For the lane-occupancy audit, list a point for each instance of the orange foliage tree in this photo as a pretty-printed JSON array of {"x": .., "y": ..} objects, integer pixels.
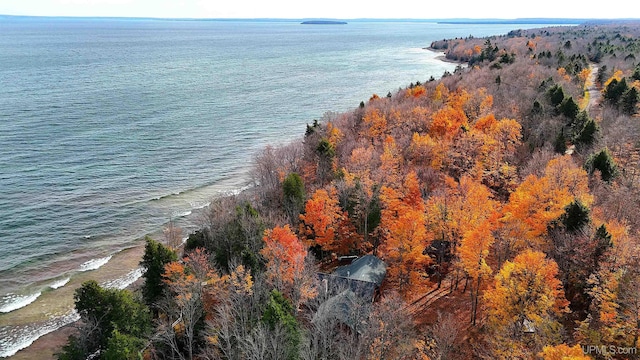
[
  {"x": 391, "y": 162},
  {"x": 376, "y": 122},
  {"x": 325, "y": 224},
  {"x": 286, "y": 266},
  {"x": 186, "y": 282},
  {"x": 614, "y": 313},
  {"x": 459, "y": 207},
  {"x": 448, "y": 122},
  {"x": 563, "y": 352},
  {"x": 405, "y": 236},
  {"x": 500, "y": 139},
  {"x": 473, "y": 254},
  {"x": 539, "y": 201},
  {"x": 456, "y": 210}
]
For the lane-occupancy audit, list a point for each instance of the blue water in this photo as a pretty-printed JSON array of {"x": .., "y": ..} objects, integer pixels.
[{"x": 109, "y": 128}]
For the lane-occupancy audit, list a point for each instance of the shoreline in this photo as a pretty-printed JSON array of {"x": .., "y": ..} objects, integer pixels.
[
  {"x": 443, "y": 57},
  {"x": 47, "y": 345},
  {"x": 120, "y": 264}
]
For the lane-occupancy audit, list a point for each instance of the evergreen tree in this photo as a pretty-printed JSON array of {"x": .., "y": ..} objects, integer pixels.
[
  {"x": 569, "y": 108},
  {"x": 279, "y": 312},
  {"x": 587, "y": 135},
  {"x": 105, "y": 314},
  {"x": 576, "y": 215},
  {"x": 614, "y": 91},
  {"x": 556, "y": 95},
  {"x": 156, "y": 256},
  {"x": 560, "y": 145},
  {"x": 629, "y": 101},
  {"x": 294, "y": 195},
  {"x": 603, "y": 162},
  {"x": 123, "y": 347},
  {"x": 603, "y": 241}
]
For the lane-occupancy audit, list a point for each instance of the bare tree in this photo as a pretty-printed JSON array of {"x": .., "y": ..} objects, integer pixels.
[
  {"x": 264, "y": 343},
  {"x": 444, "y": 332},
  {"x": 390, "y": 331},
  {"x": 172, "y": 235}
]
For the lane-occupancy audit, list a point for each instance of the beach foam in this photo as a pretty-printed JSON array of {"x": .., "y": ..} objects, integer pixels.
[
  {"x": 94, "y": 264},
  {"x": 59, "y": 283},
  {"x": 197, "y": 205},
  {"x": 181, "y": 213},
  {"x": 124, "y": 281},
  {"x": 14, "y": 302},
  {"x": 14, "y": 339}
]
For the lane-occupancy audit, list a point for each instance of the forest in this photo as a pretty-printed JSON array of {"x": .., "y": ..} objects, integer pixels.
[{"x": 498, "y": 203}]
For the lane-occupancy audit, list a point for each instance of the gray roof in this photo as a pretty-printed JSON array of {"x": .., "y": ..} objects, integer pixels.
[
  {"x": 346, "y": 307},
  {"x": 367, "y": 268}
]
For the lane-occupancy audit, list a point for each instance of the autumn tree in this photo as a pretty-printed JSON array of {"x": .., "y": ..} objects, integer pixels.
[
  {"x": 500, "y": 140},
  {"x": 287, "y": 265},
  {"x": 614, "y": 313},
  {"x": 444, "y": 332},
  {"x": 458, "y": 208},
  {"x": 563, "y": 352},
  {"x": 326, "y": 225},
  {"x": 391, "y": 162},
  {"x": 474, "y": 251},
  {"x": 234, "y": 307},
  {"x": 526, "y": 298},
  {"x": 389, "y": 331},
  {"x": 405, "y": 236},
  {"x": 538, "y": 201},
  {"x": 376, "y": 124},
  {"x": 448, "y": 122},
  {"x": 184, "y": 309}
]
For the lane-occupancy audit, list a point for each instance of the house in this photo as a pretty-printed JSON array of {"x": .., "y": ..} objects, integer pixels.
[
  {"x": 350, "y": 290},
  {"x": 363, "y": 276}
]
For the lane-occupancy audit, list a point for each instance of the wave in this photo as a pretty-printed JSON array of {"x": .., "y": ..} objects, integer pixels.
[
  {"x": 94, "y": 264},
  {"x": 196, "y": 205},
  {"x": 124, "y": 281},
  {"x": 200, "y": 205},
  {"x": 59, "y": 283},
  {"x": 13, "y": 339},
  {"x": 181, "y": 213},
  {"x": 14, "y": 302},
  {"x": 238, "y": 191}
]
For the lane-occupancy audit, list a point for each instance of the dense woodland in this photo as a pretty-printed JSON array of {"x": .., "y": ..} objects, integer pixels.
[{"x": 503, "y": 198}]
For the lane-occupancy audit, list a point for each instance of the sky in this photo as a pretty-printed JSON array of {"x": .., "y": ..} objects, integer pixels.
[{"x": 339, "y": 9}]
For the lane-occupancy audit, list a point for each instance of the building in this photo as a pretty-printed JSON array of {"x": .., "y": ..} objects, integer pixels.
[{"x": 351, "y": 289}]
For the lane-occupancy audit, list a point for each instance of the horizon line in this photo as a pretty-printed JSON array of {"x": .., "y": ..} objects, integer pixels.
[{"x": 494, "y": 19}]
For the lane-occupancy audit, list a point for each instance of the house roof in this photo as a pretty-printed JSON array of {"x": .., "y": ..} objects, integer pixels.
[
  {"x": 368, "y": 268},
  {"x": 335, "y": 284},
  {"x": 349, "y": 288}
]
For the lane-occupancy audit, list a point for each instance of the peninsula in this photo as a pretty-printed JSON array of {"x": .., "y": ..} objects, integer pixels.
[{"x": 323, "y": 22}]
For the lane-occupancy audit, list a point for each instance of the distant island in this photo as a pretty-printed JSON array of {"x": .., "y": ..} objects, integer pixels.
[{"x": 323, "y": 22}]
